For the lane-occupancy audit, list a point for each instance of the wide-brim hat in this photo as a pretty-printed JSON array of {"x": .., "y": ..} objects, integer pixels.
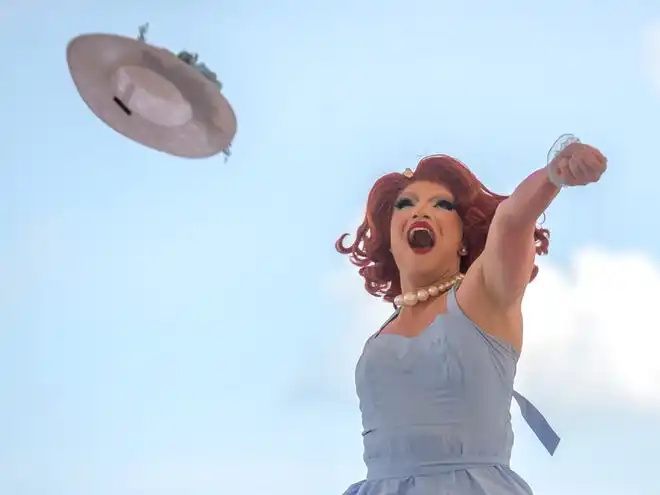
[{"x": 151, "y": 95}]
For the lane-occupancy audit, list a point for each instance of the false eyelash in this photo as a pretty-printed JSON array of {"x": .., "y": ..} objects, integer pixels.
[
  {"x": 447, "y": 205},
  {"x": 402, "y": 203}
]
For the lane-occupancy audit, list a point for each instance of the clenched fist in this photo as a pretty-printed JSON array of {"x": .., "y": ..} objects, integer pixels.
[{"x": 577, "y": 164}]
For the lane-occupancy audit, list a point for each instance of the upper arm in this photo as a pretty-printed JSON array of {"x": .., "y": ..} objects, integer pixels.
[{"x": 507, "y": 261}]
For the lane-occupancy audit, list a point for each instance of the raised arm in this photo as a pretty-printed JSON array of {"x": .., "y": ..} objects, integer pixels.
[{"x": 507, "y": 261}]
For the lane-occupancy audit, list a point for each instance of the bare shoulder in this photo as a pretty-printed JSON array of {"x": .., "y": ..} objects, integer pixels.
[{"x": 475, "y": 301}]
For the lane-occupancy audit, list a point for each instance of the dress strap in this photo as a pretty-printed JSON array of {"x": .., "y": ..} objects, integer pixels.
[
  {"x": 452, "y": 302},
  {"x": 532, "y": 416},
  {"x": 541, "y": 428},
  {"x": 387, "y": 322}
]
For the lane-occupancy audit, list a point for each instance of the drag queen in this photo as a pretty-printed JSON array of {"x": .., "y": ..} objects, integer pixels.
[{"x": 435, "y": 383}]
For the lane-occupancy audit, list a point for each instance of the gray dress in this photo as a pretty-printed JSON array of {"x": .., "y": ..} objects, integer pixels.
[{"x": 436, "y": 412}]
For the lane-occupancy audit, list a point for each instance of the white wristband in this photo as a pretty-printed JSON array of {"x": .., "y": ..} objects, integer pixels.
[
  {"x": 559, "y": 145},
  {"x": 553, "y": 177}
]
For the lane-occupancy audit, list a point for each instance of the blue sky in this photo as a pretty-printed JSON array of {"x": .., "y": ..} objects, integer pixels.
[{"x": 172, "y": 326}]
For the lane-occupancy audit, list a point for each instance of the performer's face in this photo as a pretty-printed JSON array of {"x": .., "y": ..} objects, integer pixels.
[{"x": 425, "y": 232}]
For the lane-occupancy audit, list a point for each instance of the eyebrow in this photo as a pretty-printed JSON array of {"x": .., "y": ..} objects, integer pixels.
[
  {"x": 446, "y": 197},
  {"x": 437, "y": 197}
]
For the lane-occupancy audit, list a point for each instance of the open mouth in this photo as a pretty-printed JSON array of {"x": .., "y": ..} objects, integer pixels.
[{"x": 421, "y": 237}]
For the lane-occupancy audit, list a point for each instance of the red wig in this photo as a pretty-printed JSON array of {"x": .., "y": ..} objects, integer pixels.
[{"x": 475, "y": 204}]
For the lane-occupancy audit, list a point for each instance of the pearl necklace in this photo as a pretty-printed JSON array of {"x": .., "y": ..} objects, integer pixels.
[{"x": 412, "y": 298}]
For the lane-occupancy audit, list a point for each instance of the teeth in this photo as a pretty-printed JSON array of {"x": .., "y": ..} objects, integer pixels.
[{"x": 411, "y": 233}]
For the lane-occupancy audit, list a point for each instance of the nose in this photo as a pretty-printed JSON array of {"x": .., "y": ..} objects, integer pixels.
[{"x": 419, "y": 215}]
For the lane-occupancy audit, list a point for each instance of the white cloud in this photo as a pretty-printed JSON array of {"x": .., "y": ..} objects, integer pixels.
[
  {"x": 591, "y": 334},
  {"x": 652, "y": 52}
]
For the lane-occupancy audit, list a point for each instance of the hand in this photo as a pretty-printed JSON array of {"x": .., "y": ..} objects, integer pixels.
[{"x": 577, "y": 165}]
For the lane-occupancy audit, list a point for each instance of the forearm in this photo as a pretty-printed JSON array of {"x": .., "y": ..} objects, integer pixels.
[
  {"x": 508, "y": 257},
  {"x": 529, "y": 200}
]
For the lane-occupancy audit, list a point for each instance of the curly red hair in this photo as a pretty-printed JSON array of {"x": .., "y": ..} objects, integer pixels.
[{"x": 475, "y": 204}]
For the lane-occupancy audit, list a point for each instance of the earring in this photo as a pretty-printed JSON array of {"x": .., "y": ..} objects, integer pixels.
[{"x": 462, "y": 251}]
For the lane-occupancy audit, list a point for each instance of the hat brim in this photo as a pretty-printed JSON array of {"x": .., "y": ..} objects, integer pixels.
[{"x": 94, "y": 59}]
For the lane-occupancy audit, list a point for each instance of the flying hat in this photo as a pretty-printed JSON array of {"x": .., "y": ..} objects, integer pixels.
[{"x": 171, "y": 103}]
